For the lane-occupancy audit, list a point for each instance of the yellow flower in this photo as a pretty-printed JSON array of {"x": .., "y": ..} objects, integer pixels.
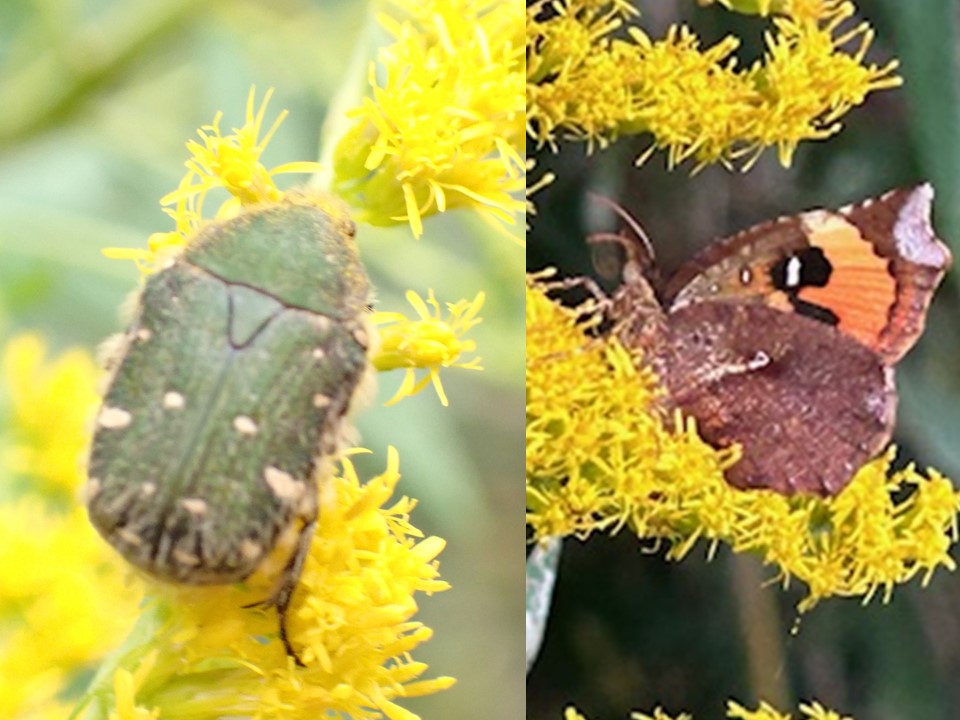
[
  {"x": 51, "y": 405},
  {"x": 798, "y": 9},
  {"x": 231, "y": 162},
  {"x": 659, "y": 714},
  {"x": 126, "y": 684},
  {"x": 66, "y": 600},
  {"x": 429, "y": 343},
  {"x": 694, "y": 102},
  {"x": 816, "y": 711},
  {"x": 572, "y": 713},
  {"x": 806, "y": 84},
  {"x": 764, "y": 712},
  {"x": 813, "y": 711},
  {"x": 350, "y": 622},
  {"x": 536, "y": 186},
  {"x": 444, "y": 126},
  {"x": 601, "y": 456},
  {"x": 735, "y": 711}
]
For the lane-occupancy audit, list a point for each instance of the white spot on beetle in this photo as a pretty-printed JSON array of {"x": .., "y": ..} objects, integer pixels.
[
  {"x": 148, "y": 489},
  {"x": 144, "y": 334},
  {"x": 283, "y": 484},
  {"x": 114, "y": 418},
  {"x": 129, "y": 537},
  {"x": 173, "y": 400},
  {"x": 194, "y": 506},
  {"x": 91, "y": 489},
  {"x": 185, "y": 558},
  {"x": 792, "y": 279},
  {"x": 321, "y": 401},
  {"x": 746, "y": 275},
  {"x": 319, "y": 353},
  {"x": 250, "y": 550},
  {"x": 245, "y": 425}
]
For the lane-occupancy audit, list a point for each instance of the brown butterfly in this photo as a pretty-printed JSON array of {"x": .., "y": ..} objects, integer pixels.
[{"x": 783, "y": 338}]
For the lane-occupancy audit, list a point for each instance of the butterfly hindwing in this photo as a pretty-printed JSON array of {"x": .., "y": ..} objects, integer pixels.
[{"x": 806, "y": 404}]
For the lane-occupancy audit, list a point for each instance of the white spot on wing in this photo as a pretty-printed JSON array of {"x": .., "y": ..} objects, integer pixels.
[
  {"x": 144, "y": 334},
  {"x": 321, "y": 401},
  {"x": 794, "y": 265},
  {"x": 759, "y": 360},
  {"x": 148, "y": 489}
]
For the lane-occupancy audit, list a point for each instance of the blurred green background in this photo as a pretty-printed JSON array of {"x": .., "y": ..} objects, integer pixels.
[
  {"x": 629, "y": 631},
  {"x": 99, "y": 97}
]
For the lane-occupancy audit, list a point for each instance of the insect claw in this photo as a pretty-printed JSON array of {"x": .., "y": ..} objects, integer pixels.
[
  {"x": 284, "y": 592},
  {"x": 275, "y": 602},
  {"x": 286, "y": 640},
  {"x": 289, "y": 583}
]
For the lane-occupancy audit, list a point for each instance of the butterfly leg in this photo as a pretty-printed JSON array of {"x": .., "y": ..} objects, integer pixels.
[{"x": 598, "y": 302}]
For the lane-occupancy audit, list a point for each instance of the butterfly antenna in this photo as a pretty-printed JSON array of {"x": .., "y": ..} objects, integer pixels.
[{"x": 637, "y": 245}]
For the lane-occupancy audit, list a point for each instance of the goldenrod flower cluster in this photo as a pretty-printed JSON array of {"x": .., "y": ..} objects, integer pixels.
[
  {"x": 42, "y": 396},
  {"x": 601, "y": 457},
  {"x": 693, "y": 101},
  {"x": 68, "y": 599},
  {"x": 65, "y": 601},
  {"x": 735, "y": 711},
  {"x": 810, "y": 711},
  {"x": 444, "y": 125},
  {"x": 230, "y": 162},
  {"x": 202, "y": 653}
]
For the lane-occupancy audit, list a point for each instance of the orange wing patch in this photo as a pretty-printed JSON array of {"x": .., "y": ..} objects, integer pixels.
[{"x": 861, "y": 291}]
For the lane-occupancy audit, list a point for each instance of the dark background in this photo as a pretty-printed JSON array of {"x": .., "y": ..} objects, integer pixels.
[{"x": 629, "y": 631}]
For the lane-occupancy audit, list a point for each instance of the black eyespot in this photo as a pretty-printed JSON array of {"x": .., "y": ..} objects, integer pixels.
[{"x": 814, "y": 270}]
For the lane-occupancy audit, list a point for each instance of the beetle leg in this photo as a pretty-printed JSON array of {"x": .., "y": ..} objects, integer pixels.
[{"x": 288, "y": 583}]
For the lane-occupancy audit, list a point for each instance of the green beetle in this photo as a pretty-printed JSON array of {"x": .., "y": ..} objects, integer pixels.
[{"x": 229, "y": 397}]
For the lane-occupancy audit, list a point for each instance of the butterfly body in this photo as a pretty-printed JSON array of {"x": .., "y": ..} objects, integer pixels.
[{"x": 782, "y": 339}]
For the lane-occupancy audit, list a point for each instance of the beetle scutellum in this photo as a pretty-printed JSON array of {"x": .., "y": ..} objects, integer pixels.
[{"x": 229, "y": 396}]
